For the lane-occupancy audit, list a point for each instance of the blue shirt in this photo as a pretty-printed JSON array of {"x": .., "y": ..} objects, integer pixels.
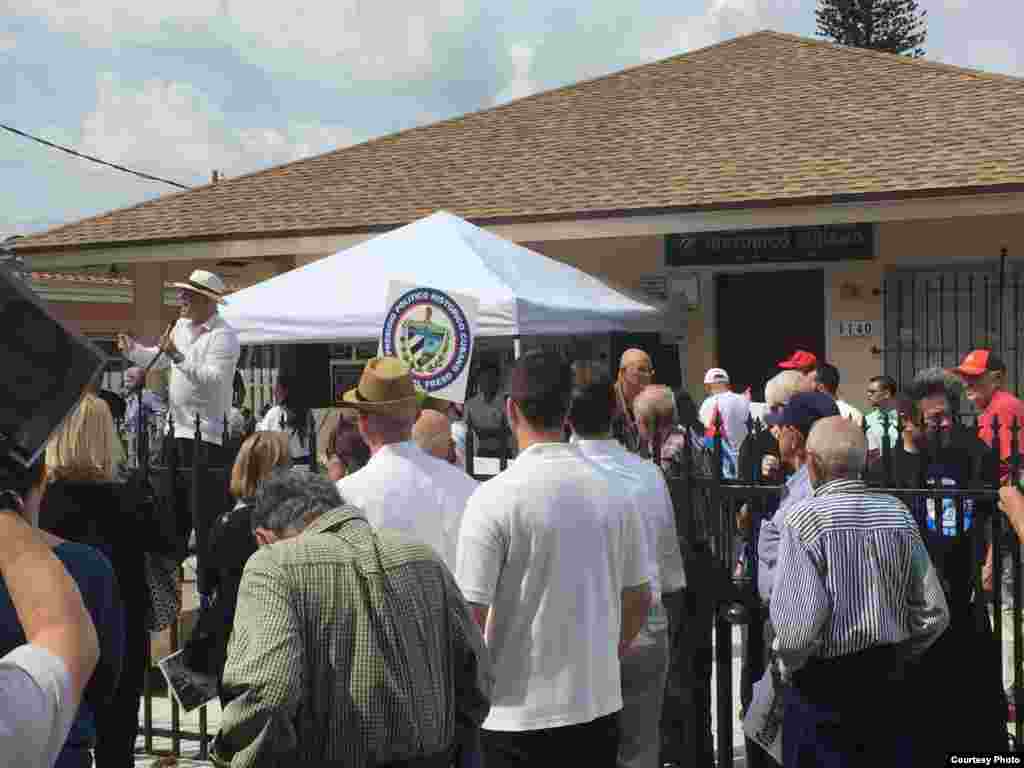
[
  {"x": 153, "y": 407},
  {"x": 95, "y": 579},
  {"x": 797, "y": 489}
]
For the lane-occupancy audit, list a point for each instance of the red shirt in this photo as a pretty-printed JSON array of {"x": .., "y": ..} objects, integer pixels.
[{"x": 1006, "y": 407}]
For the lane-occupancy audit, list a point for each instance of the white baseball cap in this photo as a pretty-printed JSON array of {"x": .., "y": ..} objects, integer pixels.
[{"x": 716, "y": 376}]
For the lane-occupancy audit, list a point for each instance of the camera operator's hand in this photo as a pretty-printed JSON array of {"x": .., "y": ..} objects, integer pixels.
[{"x": 770, "y": 468}]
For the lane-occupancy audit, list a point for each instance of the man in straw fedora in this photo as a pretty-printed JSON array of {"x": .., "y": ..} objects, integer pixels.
[
  {"x": 202, "y": 351},
  {"x": 402, "y": 487}
]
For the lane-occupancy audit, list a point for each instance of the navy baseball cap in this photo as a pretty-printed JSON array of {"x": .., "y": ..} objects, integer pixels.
[{"x": 802, "y": 410}]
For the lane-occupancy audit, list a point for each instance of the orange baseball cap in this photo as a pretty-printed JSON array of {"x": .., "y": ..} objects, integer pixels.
[
  {"x": 980, "y": 361},
  {"x": 798, "y": 360}
]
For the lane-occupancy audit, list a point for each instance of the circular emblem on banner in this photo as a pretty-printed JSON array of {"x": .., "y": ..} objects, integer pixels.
[{"x": 428, "y": 331}]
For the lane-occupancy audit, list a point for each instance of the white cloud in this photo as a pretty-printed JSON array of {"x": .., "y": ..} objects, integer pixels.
[
  {"x": 994, "y": 56},
  {"x": 721, "y": 20},
  {"x": 172, "y": 129},
  {"x": 521, "y": 84},
  {"x": 365, "y": 40},
  {"x": 7, "y": 42}
]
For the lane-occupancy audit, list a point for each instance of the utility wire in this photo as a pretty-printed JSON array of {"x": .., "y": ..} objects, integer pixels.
[{"x": 70, "y": 151}]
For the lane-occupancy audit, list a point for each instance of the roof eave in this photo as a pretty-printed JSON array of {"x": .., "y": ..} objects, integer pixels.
[{"x": 561, "y": 216}]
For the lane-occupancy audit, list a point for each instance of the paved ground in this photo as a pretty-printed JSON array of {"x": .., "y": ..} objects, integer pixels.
[
  {"x": 190, "y": 722},
  {"x": 162, "y": 714}
]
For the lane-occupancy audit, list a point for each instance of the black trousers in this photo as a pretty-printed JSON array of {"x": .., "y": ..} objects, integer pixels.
[
  {"x": 214, "y": 496},
  {"x": 850, "y": 712},
  {"x": 594, "y": 744},
  {"x": 686, "y": 713},
  {"x": 442, "y": 760},
  {"x": 117, "y": 724}
]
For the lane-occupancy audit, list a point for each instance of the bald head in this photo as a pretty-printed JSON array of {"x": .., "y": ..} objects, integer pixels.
[
  {"x": 635, "y": 373},
  {"x": 433, "y": 433},
  {"x": 133, "y": 378},
  {"x": 634, "y": 357},
  {"x": 655, "y": 410},
  {"x": 836, "y": 450}
]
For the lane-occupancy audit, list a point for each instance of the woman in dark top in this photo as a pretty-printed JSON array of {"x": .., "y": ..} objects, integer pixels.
[
  {"x": 231, "y": 543},
  {"x": 958, "y": 677},
  {"x": 291, "y": 416},
  {"x": 95, "y": 579},
  {"x": 85, "y": 505}
]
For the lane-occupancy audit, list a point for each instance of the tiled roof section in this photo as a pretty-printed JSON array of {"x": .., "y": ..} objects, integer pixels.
[
  {"x": 762, "y": 119},
  {"x": 82, "y": 278}
]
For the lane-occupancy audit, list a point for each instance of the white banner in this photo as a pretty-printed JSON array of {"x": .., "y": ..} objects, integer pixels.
[{"x": 433, "y": 332}]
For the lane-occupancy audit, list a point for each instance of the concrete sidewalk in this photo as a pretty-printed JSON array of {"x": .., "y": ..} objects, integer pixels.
[{"x": 190, "y": 722}]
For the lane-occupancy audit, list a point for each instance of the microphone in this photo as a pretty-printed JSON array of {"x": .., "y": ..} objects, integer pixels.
[{"x": 157, "y": 356}]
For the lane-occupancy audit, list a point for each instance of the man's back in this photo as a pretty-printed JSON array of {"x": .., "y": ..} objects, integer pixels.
[
  {"x": 349, "y": 646},
  {"x": 654, "y": 506},
  {"x": 853, "y": 573},
  {"x": 734, "y": 411},
  {"x": 403, "y": 488},
  {"x": 550, "y": 544}
]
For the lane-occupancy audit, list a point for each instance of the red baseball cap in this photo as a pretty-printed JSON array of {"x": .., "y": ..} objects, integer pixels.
[
  {"x": 978, "y": 362},
  {"x": 798, "y": 360}
]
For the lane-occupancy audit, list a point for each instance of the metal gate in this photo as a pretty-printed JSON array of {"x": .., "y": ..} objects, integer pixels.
[
  {"x": 933, "y": 317},
  {"x": 721, "y": 565}
]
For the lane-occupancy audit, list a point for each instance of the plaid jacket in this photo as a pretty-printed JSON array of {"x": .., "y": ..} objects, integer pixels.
[{"x": 349, "y": 647}]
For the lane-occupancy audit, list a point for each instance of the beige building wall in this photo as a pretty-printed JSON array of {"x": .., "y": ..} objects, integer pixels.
[{"x": 854, "y": 288}]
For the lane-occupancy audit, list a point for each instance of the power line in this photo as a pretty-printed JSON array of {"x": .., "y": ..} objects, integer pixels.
[{"x": 70, "y": 151}]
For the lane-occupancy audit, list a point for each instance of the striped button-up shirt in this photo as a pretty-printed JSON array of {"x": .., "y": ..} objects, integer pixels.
[
  {"x": 852, "y": 573},
  {"x": 350, "y": 647}
]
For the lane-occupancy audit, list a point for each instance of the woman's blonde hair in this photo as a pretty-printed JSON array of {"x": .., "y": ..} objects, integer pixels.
[
  {"x": 83, "y": 447},
  {"x": 257, "y": 457}
]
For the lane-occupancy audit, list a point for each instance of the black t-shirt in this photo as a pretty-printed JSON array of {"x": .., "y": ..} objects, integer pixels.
[{"x": 965, "y": 463}]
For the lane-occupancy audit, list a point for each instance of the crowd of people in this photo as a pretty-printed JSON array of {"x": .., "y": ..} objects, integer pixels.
[{"x": 391, "y": 610}]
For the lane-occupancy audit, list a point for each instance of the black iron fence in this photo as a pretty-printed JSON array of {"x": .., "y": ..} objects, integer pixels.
[
  {"x": 719, "y": 522},
  {"x": 198, "y": 475}
]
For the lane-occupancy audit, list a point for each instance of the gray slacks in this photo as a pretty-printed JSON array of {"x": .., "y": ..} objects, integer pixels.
[{"x": 644, "y": 670}]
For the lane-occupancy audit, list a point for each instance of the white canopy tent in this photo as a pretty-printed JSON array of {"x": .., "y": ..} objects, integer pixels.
[{"x": 342, "y": 298}]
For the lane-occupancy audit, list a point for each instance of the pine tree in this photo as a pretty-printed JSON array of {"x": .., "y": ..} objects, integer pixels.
[{"x": 894, "y": 26}]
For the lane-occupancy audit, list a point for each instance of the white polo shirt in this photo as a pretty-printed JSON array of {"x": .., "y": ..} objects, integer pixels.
[
  {"x": 550, "y": 544},
  {"x": 406, "y": 489},
  {"x": 654, "y": 504},
  {"x": 36, "y": 708}
]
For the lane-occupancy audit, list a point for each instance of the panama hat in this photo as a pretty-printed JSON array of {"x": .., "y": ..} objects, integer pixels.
[
  {"x": 385, "y": 387},
  {"x": 206, "y": 284}
]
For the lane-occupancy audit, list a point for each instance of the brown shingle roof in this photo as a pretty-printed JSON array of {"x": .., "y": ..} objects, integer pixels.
[
  {"x": 83, "y": 278},
  {"x": 763, "y": 119}
]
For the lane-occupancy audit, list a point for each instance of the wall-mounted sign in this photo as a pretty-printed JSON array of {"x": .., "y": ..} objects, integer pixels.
[
  {"x": 857, "y": 328},
  {"x": 835, "y": 242}
]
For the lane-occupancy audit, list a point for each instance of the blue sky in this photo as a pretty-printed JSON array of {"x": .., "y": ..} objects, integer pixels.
[{"x": 180, "y": 88}]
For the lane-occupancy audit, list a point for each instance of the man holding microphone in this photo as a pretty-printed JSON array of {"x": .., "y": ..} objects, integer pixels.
[{"x": 202, "y": 351}]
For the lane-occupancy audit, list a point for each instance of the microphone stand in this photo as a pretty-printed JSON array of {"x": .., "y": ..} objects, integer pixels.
[{"x": 142, "y": 453}]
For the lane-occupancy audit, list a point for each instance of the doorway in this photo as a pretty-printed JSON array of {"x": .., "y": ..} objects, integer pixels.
[{"x": 762, "y": 318}]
